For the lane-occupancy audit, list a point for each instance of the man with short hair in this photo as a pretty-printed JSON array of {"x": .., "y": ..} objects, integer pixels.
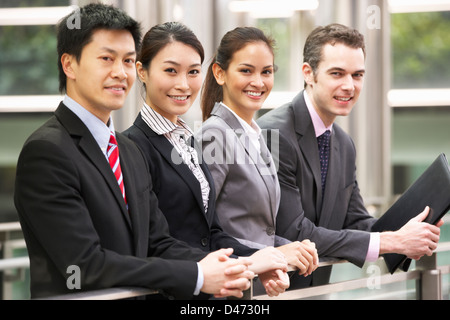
[
  {"x": 320, "y": 197},
  {"x": 81, "y": 203}
]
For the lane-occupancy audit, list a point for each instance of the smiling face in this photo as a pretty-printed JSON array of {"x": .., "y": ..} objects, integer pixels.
[
  {"x": 337, "y": 82},
  {"x": 172, "y": 80},
  {"x": 102, "y": 78},
  {"x": 248, "y": 80}
]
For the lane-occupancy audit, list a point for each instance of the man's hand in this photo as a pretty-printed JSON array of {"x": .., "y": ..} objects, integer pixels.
[
  {"x": 224, "y": 276},
  {"x": 302, "y": 255},
  {"x": 415, "y": 239}
]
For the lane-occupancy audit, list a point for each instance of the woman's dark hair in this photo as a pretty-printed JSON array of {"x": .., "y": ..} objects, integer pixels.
[
  {"x": 92, "y": 17},
  {"x": 231, "y": 42},
  {"x": 161, "y": 35},
  {"x": 330, "y": 34}
]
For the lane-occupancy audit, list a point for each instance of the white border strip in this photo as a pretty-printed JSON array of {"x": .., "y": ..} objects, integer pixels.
[
  {"x": 47, "y": 103},
  {"x": 419, "y": 97},
  {"x": 409, "y": 6},
  {"x": 33, "y": 16}
]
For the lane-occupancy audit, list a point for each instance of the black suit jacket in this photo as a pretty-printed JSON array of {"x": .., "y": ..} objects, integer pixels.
[
  {"x": 179, "y": 193},
  {"x": 334, "y": 223},
  {"x": 72, "y": 213}
]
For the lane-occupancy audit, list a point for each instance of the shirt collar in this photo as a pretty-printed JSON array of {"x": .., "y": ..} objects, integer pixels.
[
  {"x": 161, "y": 125},
  {"x": 99, "y": 130},
  {"x": 252, "y": 129},
  {"x": 319, "y": 126}
]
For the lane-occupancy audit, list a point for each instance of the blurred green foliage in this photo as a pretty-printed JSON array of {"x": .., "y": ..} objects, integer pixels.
[
  {"x": 33, "y": 3},
  {"x": 421, "y": 50},
  {"x": 278, "y": 29},
  {"x": 28, "y": 60}
]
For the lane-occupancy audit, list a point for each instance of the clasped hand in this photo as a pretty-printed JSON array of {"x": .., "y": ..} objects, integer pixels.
[{"x": 224, "y": 276}]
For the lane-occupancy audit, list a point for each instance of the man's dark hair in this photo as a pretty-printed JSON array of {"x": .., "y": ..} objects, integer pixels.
[
  {"x": 92, "y": 17},
  {"x": 331, "y": 34}
]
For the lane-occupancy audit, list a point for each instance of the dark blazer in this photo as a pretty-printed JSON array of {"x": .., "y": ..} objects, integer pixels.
[
  {"x": 72, "y": 213},
  {"x": 342, "y": 207},
  {"x": 179, "y": 193}
]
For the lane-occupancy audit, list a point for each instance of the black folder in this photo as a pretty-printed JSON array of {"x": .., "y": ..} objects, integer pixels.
[{"x": 431, "y": 189}]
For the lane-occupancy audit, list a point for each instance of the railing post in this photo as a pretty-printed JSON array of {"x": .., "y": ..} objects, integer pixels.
[
  {"x": 248, "y": 294},
  {"x": 429, "y": 284}
]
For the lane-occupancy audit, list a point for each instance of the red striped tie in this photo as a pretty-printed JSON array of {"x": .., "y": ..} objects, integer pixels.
[{"x": 113, "y": 156}]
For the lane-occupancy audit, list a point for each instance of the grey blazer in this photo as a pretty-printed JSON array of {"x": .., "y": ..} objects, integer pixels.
[
  {"x": 334, "y": 223},
  {"x": 247, "y": 188}
]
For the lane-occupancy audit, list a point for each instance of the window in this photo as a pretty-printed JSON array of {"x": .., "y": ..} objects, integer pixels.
[
  {"x": 420, "y": 92},
  {"x": 28, "y": 60},
  {"x": 421, "y": 50},
  {"x": 29, "y": 86},
  {"x": 14, "y": 130},
  {"x": 33, "y": 3},
  {"x": 279, "y": 30}
]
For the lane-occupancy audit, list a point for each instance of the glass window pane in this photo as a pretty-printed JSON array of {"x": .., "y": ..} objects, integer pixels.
[
  {"x": 419, "y": 135},
  {"x": 279, "y": 30},
  {"x": 34, "y": 3},
  {"x": 28, "y": 60},
  {"x": 421, "y": 50},
  {"x": 14, "y": 130}
]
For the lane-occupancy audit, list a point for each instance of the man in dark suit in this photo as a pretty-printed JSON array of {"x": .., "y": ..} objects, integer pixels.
[
  {"x": 320, "y": 198},
  {"x": 79, "y": 207}
]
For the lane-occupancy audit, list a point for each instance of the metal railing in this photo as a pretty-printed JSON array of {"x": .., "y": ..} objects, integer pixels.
[
  {"x": 427, "y": 273},
  {"x": 428, "y": 276}
]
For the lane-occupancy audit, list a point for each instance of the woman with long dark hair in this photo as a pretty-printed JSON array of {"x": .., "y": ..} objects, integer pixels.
[{"x": 238, "y": 81}]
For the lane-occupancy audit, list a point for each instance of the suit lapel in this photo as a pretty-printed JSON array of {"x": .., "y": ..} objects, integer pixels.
[
  {"x": 308, "y": 144},
  {"x": 90, "y": 148},
  {"x": 173, "y": 159},
  {"x": 269, "y": 174},
  {"x": 126, "y": 164},
  {"x": 98, "y": 159},
  {"x": 270, "y": 180},
  {"x": 212, "y": 192}
]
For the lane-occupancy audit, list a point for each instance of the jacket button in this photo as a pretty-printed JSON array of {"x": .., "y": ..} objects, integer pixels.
[
  {"x": 204, "y": 242},
  {"x": 270, "y": 231}
]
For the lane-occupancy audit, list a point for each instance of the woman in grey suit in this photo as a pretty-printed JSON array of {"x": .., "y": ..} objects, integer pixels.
[{"x": 247, "y": 190}]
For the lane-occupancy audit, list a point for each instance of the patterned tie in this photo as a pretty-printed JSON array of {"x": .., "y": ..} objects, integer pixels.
[
  {"x": 113, "y": 156},
  {"x": 324, "y": 154}
]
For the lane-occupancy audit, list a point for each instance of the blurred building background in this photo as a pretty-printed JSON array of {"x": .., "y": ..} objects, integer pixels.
[{"x": 400, "y": 124}]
